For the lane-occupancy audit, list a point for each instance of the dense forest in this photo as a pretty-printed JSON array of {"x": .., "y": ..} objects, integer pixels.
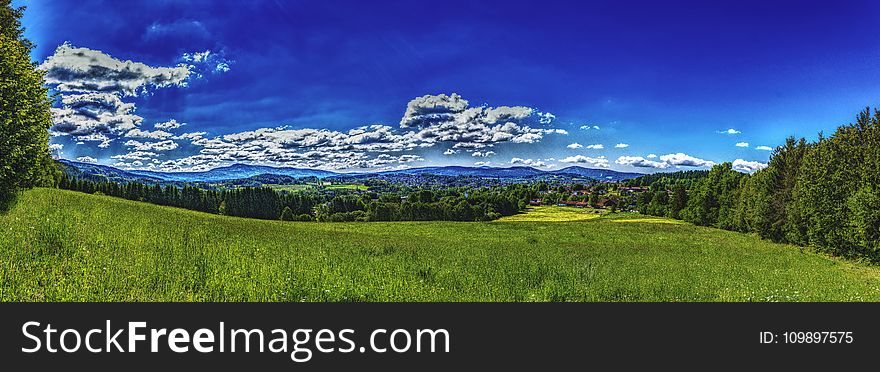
[
  {"x": 435, "y": 204},
  {"x": 824, "y": 194}
]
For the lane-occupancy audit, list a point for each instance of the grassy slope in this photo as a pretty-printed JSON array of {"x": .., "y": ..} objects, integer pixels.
[{"x": 65, "y": 246}]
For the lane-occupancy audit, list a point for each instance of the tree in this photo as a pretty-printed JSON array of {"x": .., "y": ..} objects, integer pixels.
[
  {"x": 677, "y": 201},
  {"x": 287, "y": 214},
  {"x": 25, "y": 114}
]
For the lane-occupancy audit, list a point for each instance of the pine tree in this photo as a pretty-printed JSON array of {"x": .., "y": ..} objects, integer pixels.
[{"x": 25, "y": 113}]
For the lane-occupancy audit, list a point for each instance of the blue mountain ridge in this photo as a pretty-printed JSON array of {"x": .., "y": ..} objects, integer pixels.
[{"x": 241, "y": 171}]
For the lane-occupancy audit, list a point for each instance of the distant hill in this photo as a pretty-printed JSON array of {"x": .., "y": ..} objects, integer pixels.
[
  {"x": 599, "y": 174},
  {"x": 234, "y": 172},
  {"x": 245, "y": 171},
  {"x": 512, "y": 172},
  {"x": 95, "y": 172}
]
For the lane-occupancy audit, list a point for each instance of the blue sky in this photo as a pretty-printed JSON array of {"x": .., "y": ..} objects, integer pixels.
[{"x": 357, "y": 85}]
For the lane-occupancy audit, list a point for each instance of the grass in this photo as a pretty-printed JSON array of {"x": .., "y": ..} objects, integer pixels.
[
  {"x": 63, "y": 246},
  {"x": 554, "y": 214}
]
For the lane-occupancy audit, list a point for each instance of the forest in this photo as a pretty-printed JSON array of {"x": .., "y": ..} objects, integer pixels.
[
  {"x": 823, "y": 194},
  {"x": 428, "y": 204}
]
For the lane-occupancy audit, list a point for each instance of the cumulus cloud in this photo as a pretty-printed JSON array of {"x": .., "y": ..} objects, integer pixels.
[
  {"x": 170, "y": 124},
  {"x": 136, "y": 155},
  {"x": 482, "y": 163},
  {"x": 528, "y": 162},
  {"x": 73, "y": 69},
  {"x": 748, "y": 166},
  {"x": 546, "y": 118},
  {"x": 91, "y": 113},
  {"x": 167, "y": 145},
  {"x": 207, "y": 62},
  {"x": 621, "y": 145},
  {"x": 156, "y": 134},
  {"x": 442, "y": 118},
  {"x": 191, "y": 136},
  {"x": 95, "y": 137},
  {"x": 587, "y": 127},
  {"x": 764, "y": 148},
  {"x": 428, "y": 121},
  {"x": 86, "y": 159},
  {"x": 597, "y": 146},
  {"x": 600, "y": 161},
  {"x": 729, "y": 131},
  {"x": 651, "y": 156},
  {"x": 575, "y": 146},
  {"x": 55, "y": 147},
  {"x": 640, "y": 162},
  {"x": 666, "y": 161},
  {"x": 742, "y": 144},
  {"x": 684, "y": 160}
]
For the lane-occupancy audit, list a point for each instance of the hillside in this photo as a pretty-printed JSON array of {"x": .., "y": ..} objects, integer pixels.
[
  {"x": 243, "y": 171},
  {"x": 65, "y": 246}
]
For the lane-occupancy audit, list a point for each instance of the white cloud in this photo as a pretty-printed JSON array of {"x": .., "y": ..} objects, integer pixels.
[
  {"x": 170, "y": 124},
  {"x": 621, "y": 145},
  {"x": 191, "y": 136},
  {"x": 640, "y": 162},
  {"x": 748, "y": 166},
  {"x": 484, "y": 154},
  {"x": 482, "y": 163},
  {"x": 684, "y": 160},
  {"x": 73, "y": 69},
  {"x": 575, "y": 146},
  {"x": 651, "y": 156},
  {"x": 597, "y": 146},
  {"x": 729, "y": 131},
  {"x": 450, "y": 152},
  {"x": 600, "y": 161},
  {"x": 546, "y": 118},
  {"x": 764, "y": 148},
  {"x": 55, "y": 147},
  {"x": 587, "y": 127},
  {"x": 207, "y": 62},
  {"x": 136, "y": 155},
  {"x": 742, "y": 144},
  {"x": 666, "y": 161},
  {"x": 528, "y": 162},
  {"x": 92, "y": 113},
  {"x": 442, "y": 118},
  {"x": 86, "y": 159},
  {"x": 156, "y": 134},
  {"x": 167, "y": 145},
  {"x": 95, "y": 137}
]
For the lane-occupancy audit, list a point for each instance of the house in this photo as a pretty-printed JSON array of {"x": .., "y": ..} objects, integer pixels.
[
  {"x": 606, "y": 203},
  {"x": 535, "y": 202}
]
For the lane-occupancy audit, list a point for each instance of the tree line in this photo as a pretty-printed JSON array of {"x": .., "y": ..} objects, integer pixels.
[
  {"x": 436, "y": 204},
  {"x": 823, "y": 194}
]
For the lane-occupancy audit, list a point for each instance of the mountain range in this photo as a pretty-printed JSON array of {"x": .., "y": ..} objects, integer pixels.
[{"x": 240, "y": 171}]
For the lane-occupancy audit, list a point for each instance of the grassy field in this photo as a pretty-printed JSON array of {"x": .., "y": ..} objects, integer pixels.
[{"x": 64, "y": 246}]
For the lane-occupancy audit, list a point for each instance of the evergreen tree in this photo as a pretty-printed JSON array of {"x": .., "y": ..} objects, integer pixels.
[{"x": 25, "y": 114}]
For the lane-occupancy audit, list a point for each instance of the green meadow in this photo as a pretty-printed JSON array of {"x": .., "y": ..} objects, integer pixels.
[{"x": 59, "y": 245}]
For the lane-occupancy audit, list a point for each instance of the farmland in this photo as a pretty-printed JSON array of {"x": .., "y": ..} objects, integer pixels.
[{"x": 58, "y": 245}]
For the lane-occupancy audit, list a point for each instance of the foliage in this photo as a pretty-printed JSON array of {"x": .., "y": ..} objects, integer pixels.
[
  {"x": 25, "y": 113},
  {"x": 822, "y": 194}
]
